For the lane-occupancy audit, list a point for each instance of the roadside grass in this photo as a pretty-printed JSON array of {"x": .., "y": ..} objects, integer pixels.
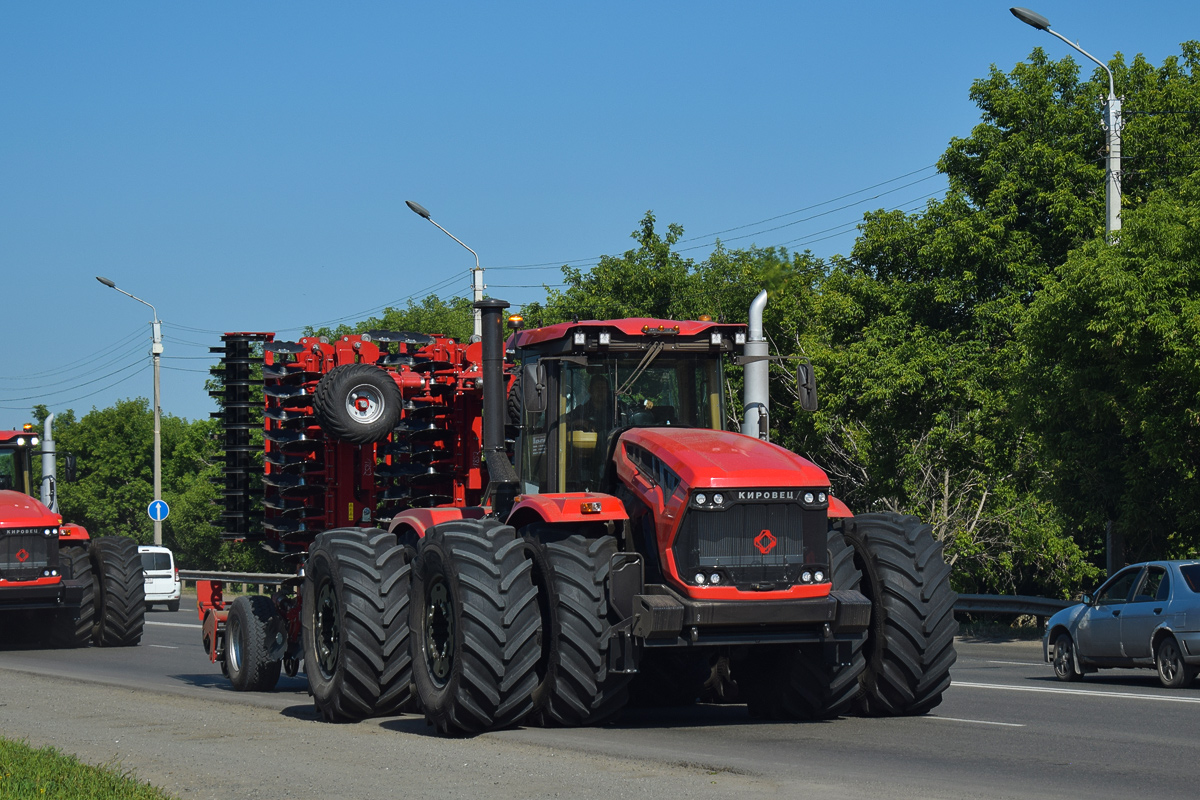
[{"x": 45, "y": 773}]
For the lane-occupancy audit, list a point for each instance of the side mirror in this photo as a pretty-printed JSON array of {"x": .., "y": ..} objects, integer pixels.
[
  {"x": 807, "y": 382},
  {"x": 1088, "y": 599},
  {"x": 69, "y": 474},
  {"x": 533, "y": 387}
]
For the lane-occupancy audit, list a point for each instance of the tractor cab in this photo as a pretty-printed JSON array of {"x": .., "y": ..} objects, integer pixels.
[
  {"x": 16, "y": 449},
  {"x": 583, "y": 383}
]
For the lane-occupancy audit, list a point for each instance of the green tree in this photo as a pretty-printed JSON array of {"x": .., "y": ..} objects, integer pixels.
[
  {"x": 1115, "y": 337},
  {"x": 454, "y": 317}
]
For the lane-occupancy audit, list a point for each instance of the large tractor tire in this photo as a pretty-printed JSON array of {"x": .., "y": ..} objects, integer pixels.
[
  {"x": 357, "y": 403},
  {"x": 71, "y": 628},
  {"x": 355, "y": 624},
  {"x": 575, "y": 686},
  {"x": 910, "y": 643},
  {"x": 475, "y": 627},
  {"x": 254, "y": 639},
  {"x": 798, "y": 682},
  {"x": 120, "y": 592}
]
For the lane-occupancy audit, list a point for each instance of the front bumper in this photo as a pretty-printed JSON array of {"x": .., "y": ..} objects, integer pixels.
[
  {"x": 663, "y": 617},
  {"x": 65, "y": 594}
]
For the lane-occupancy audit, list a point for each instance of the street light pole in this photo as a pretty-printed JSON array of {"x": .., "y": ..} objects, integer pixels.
[
  {"x": 156, "y": 349},
  {"x": 1112, "y": 126},
  {"x": 476, "y": 274}
]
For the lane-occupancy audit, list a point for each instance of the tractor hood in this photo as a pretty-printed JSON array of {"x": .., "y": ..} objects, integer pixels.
[
  {"x": 22, "y": 511},
  {"x": 705, "y": 458}
]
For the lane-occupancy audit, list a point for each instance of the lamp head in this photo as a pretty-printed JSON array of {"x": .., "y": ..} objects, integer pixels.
[
  {"x": 1031, "y": 18},
  {"x": 417, "y": 208},
  {"x": 106, "y": 282}
]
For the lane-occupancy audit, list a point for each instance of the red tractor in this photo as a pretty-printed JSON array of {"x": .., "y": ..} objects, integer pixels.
[
  {"x": 58, "y": 585},
  {"x": 490, "y": 536}
]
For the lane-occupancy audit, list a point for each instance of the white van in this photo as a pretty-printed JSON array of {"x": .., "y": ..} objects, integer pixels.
[{"x": 162, "y": 577}]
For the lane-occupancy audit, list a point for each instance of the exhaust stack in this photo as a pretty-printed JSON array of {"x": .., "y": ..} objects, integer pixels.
[
  {"x": 756, "y": 414},
  {"x": 502, "y": 477},
  {"x": 49, "y": 488}
]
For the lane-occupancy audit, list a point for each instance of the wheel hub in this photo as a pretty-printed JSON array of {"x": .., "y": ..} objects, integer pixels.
[
  {"x": 439, "y": 631},
  {"x": 328, "y": 629},
  {"x": 364, "y": 404}
]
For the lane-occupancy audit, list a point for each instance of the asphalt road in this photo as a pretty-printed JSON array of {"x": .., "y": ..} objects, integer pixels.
[{"x": 1005, "y": 729}]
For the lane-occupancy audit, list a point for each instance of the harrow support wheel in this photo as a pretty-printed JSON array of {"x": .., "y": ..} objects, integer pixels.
[
  {"x": 120, "y": 592},
  {"x": 910, "y": 642},
  {"x": 254, "y": 632},
  {"x": 798, "y": 682},
  {"x": 575, "y": 686},
  {"x": 70, "y": 628},
  {"x": 355, "y": 624},
  {"x": 357, "y": 403},
  {"x": 475, "y": 627}
]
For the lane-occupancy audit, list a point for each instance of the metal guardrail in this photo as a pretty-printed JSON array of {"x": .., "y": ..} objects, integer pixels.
[
  {"x": 1010, "y": 604},
  {"x": 259, "y": 579},
  {"x": 1039, "y": 607}
]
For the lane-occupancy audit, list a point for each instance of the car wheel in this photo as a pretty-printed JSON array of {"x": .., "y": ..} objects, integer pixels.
[
  {"x": 1173, "y": 671},
  {"x": 173, "y": 605},
  {"x": 1064, "y": 659}
]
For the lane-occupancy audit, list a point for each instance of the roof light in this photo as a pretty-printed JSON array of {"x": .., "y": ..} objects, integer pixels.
[
  {"x": 590, "y": 507},
  {"x": 516, "y": 321},
  {"x": 715, "y": 338},
  {"x": 580, "y": 337},
  {"x": 739, "y": 337},
  {"x": 605, "y": 337}
]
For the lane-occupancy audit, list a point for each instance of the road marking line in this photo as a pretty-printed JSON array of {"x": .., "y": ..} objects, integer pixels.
[
  {"x": 1018, "y": 663},
  {"x": 175, "y": 624},
  {"x": 165, "y": 646},
  {"x": 980, "y": 722},
  {"x": 1085, "y": 692}
]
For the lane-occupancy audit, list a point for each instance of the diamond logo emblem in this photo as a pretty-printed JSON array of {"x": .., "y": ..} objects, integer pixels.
[
  {"x": 765, "y": 542},
  {"x": 22, "y": 555}
]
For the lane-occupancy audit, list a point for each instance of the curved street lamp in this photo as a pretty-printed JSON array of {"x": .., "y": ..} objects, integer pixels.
[
  {"x": 1112, "y": 127},
  {"x": 476, "y": 274},
  {"x": 156, "y": 349}
]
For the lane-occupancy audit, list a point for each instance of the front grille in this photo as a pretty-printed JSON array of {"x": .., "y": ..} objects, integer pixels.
[
  {"x": 26, "y": 553},
  {"x": 725, "y": 541}
]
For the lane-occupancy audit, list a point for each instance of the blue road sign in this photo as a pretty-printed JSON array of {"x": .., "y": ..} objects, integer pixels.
[{"x": 158, "y": 510}]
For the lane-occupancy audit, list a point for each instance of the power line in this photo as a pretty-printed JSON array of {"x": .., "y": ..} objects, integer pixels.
[
  {"x": 140, "y": 331},
  {"x": 143, "y": 364}
]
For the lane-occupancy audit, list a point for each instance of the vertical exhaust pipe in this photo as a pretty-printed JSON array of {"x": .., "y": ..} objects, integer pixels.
[
  {"x": 757, "y": 398},
  {"x": 502, "y": 477},
  {"x": 49, "y": 488}
]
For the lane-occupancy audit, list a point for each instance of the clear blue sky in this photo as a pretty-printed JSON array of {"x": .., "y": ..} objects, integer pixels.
[{"x": 244, "y": 166}]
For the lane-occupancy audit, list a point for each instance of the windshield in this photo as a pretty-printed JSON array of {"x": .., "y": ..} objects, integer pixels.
[
  {"x": 14, "y": 469},
  {"x": 566, "y": 447},
  {"x": 642, "y": 389}
]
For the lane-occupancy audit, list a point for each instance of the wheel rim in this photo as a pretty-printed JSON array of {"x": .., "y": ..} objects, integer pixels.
[
  {"x": 234, "y": 656},
  {"x": 1168, "y": 662},
  {"x": 329, "y": 630},
  {"x": 439, "y": 631},
  {"x": 364, "y": 404},
  {"x": 1062, "y": 658}
]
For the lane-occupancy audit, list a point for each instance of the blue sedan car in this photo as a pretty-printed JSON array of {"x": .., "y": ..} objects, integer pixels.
[{"x": 1147, "y": 615}]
